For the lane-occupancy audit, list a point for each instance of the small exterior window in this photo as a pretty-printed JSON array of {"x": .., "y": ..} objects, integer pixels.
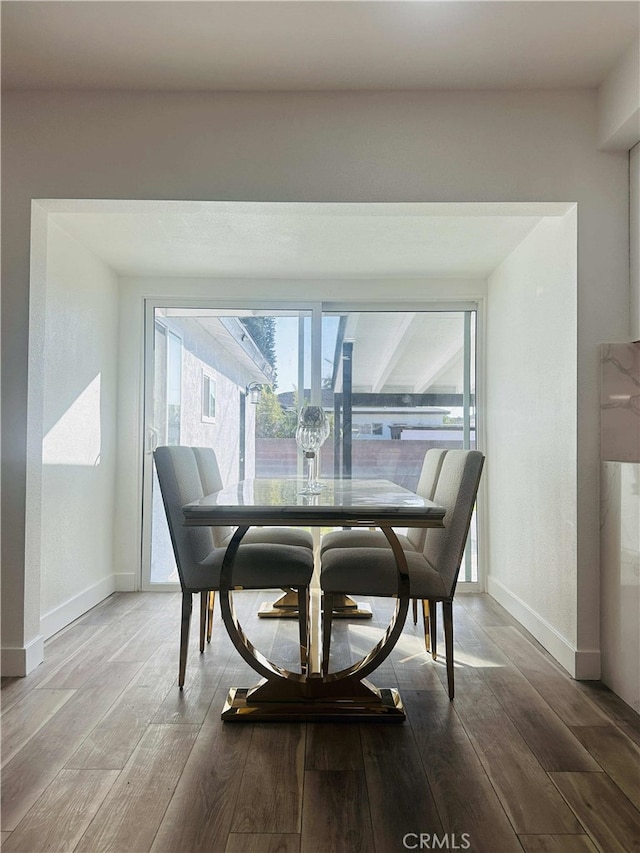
[
  {"x": 208, "y": 398},
  {"x": 377, "y": 429}
]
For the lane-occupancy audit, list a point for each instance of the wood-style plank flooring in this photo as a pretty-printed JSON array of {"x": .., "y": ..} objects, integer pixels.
[{"x": 101, "y": 752}]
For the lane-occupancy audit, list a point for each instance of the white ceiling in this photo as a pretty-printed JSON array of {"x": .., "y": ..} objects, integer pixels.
[
  {"x": 307, "y": 45},
  {"x": 299, "y": 240}
]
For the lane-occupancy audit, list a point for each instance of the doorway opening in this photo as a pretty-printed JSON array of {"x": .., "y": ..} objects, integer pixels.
[{"x": 393, "y": 383}]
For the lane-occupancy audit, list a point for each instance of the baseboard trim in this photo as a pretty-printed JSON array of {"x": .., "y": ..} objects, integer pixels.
[
  {"x": 62, "y": 615},
  {"x": 582, "y": 664},
  {"x": 588, "y": 665},
  {"x": 21, "y": 660},
  {"x": 125, "y": 582}
]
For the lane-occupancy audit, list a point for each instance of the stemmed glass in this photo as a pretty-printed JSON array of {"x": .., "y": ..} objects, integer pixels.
[{"x": 311, "y": 433}]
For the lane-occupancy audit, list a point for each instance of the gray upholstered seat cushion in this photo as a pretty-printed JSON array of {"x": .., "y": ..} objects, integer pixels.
[
  {"x": 263, "y": 566},
  {"x": 211, "y": 478},
  {"x": 415, "y": 538},
  {"x": 372, "y": 571},
  {"x": 199, "y": 557},
  {"x": 359, "y": 538},
  {"x": 297, "y": 536}
]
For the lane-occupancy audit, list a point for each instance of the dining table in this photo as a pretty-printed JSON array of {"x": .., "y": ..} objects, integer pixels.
[{"x": 282, "y": 694}]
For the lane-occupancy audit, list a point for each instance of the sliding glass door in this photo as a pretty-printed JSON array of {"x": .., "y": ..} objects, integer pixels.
[
  {"x": 401, "y": 383},
  {"x": 393, "y": 383},
  {"x": 227, "y": 379}
]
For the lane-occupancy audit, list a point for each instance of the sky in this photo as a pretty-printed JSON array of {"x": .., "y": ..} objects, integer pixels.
[{"x": 286, "y": 344}]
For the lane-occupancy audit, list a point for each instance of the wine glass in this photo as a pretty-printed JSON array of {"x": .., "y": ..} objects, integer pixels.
[{"x": 311, "y": 433}]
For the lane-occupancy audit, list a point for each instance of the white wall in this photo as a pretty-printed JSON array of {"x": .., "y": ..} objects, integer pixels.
[
  {"x": 370, "y": 147},
  {"x": 619, "y": 103},
  {"x": 531, "y": 442},
  {"x": 634, "y": 235},
  {"x": 79, "y": 427}
]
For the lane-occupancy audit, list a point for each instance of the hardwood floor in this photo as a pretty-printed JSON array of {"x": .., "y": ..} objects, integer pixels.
[{"x": 101, "y": 752}]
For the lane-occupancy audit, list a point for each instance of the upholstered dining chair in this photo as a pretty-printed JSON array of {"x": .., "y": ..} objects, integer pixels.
[
  {"x": 258, "y": 565},
  {"x": 413, "y": 540},
  {"x": 212, "y": 482},
  {"x": 433, "y": 573}
]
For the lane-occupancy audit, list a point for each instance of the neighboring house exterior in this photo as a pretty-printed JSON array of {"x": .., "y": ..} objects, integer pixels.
[
  {"x": 200, "y": 389},
  {"x": 377, "y": 422},
  {"x": 200, "y": 399}
]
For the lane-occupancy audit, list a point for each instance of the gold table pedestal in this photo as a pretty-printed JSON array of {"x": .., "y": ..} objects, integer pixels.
[
  {"x": 313, "y": 694},
  {"x": 286, "y": 607},
  {"x": 384, "y": 706}
]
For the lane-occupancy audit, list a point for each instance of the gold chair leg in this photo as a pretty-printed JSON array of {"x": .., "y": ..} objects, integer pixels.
[
  {"x": 430, "y": 627},
  {"x": 187, "y": 605},
  {"x": 210, "y": 603},
  {"x": 447, "y": 623},
  {"x": 203, "y": 618},
  {"x": 303, "y": 625},
  {"x": 327, "y": 617},
  {"x": 414, "y": 604},
  {"x": 428, "y": 617},
  {"x": 433, "y": 625}
]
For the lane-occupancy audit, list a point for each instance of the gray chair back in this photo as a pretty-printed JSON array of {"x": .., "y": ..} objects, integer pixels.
[
  {"x": 456, "y": 490},
  {"x": 209, "y": 469},
  {"x": 212, "y": 482},
  {"x": 180, "y": 483},
  {"x": 426, "y": 489}
]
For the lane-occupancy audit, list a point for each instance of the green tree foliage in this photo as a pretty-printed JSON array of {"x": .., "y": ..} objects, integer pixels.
[
  {"x": 263, "y": 332},
  {"x": 271, "y": 419}
]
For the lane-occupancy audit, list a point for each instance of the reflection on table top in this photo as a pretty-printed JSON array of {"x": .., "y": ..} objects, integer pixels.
[{"x": 355, "y": 502}]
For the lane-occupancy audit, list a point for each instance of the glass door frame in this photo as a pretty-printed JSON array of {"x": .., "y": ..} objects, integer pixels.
[
  {"x": 316, "y": 310},
  {"x": 465, "y": 307}
]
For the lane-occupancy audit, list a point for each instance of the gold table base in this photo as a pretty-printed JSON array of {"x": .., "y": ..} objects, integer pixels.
[
  {"x": 387, "y": 708},
  {"x": 313, "y": 695},
  {"x": 286, "y": 607}
]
